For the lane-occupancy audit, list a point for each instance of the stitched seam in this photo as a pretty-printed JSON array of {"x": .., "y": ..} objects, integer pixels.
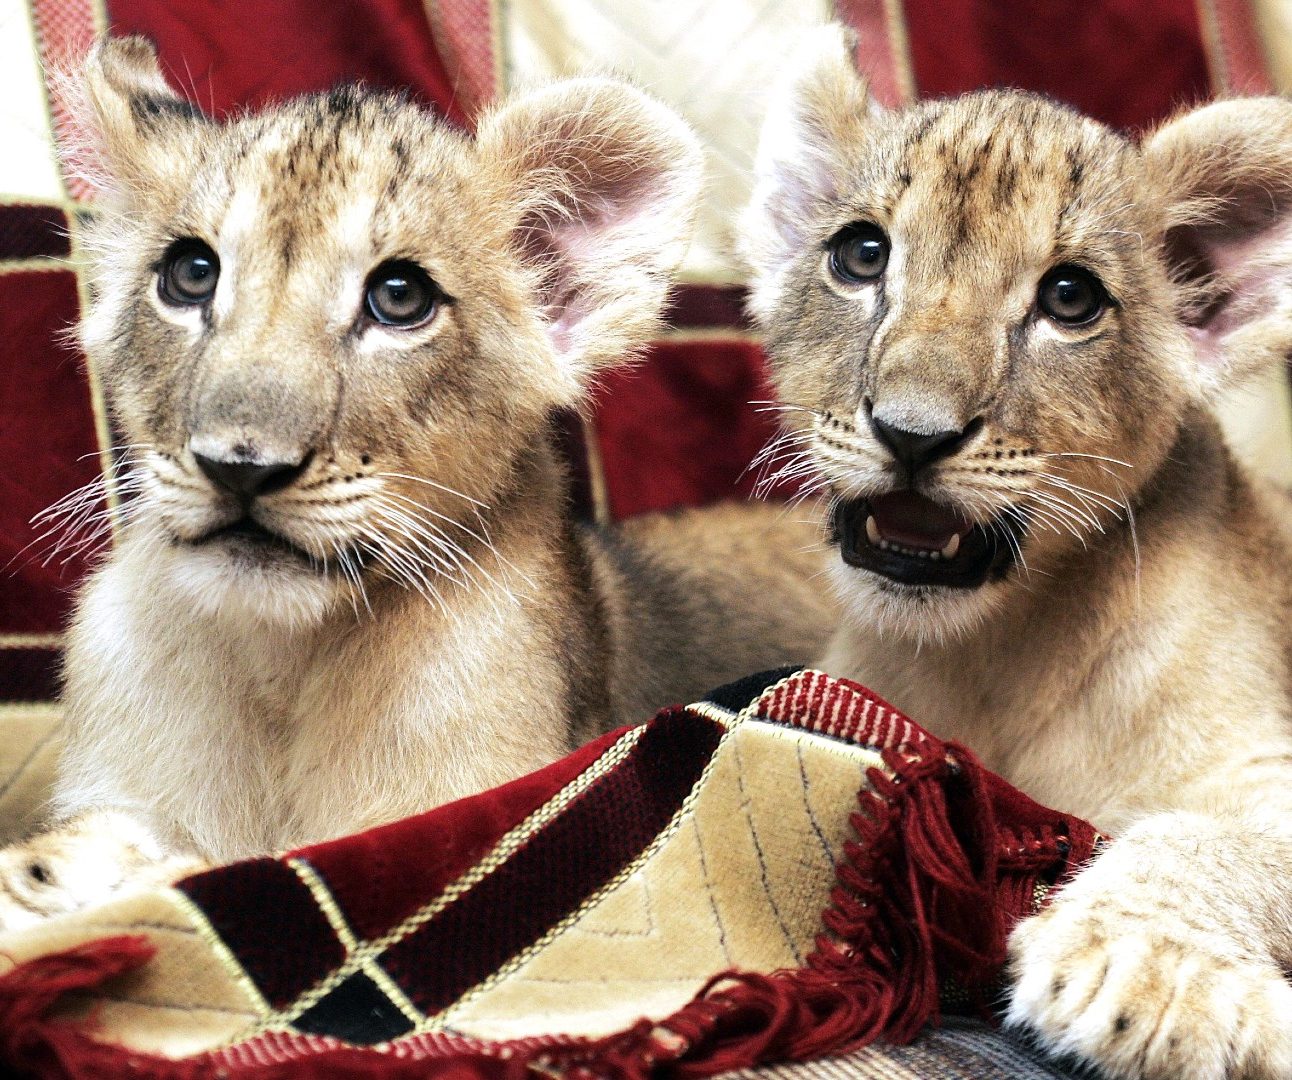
[
  {"x": 379, "y": 975},
  {"x": 440, "y": 1020},
  {"x": 31, "y": 641},
  {"x": 503, "y": 850},
  {"x": 223, "y": 954},
  {"x": 327, "y": 903}
]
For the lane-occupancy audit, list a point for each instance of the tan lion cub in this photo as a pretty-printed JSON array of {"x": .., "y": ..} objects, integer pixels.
[
  {"x": 996, "y": 327},
  {"x": 350, "y": 587}
]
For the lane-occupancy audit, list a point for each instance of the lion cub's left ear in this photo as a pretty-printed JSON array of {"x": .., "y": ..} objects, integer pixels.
[
  {"x": 820, "y": 113},
  {"x": 605, "y": 181},
  {"x": 145, "y": 136},
  {"x": 1224, "y": 174}
]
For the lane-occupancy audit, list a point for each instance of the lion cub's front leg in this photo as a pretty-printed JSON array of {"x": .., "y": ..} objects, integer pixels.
[
  {"x": 82, "y": 862},
  {"x": 1165, "y": 957}
]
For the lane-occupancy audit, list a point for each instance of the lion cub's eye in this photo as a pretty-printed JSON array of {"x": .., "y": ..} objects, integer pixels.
[
  {"x": 188, "y": 273},
  {"x": 858, "y": 252},
  {"x": 1071, "y": 295},
  {"x": 400, "y": 294}
]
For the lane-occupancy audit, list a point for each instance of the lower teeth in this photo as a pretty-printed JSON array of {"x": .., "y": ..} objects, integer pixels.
[
  {"x": 915, "y": 553},
  {"x": 949, "y": 551}
]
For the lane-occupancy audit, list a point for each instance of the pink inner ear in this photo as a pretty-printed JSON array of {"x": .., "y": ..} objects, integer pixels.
[
  {"x": 570, "y": 309},
  {"x": 1206, "y": 347},
  {"x": 575, "y": 247},
  {"x": 792, "y": 205},
  {"x": 797, "y": 185},
  {"x": 1250, "y": 273}
]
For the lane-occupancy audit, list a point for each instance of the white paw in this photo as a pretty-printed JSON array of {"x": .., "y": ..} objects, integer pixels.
[
  {"x": 32, "y": 885},
  {"x": 1121, "y": 980},
  {"x": 88, "y": 861}
]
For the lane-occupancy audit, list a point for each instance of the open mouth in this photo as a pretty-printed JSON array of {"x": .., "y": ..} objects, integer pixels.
[{"x": 913, "y": 540}]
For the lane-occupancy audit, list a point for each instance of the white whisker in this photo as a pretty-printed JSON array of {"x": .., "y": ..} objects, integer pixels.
[{"x": 432, "y": 484}]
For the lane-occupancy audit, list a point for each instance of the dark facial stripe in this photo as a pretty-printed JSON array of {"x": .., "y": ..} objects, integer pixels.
[{"x": 23, "y": 901}]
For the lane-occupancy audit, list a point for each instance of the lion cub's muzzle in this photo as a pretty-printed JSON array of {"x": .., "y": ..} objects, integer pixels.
[
  {"x": 914, "y": 450},
  {"x": 245, "y": 479},
  {"x": 912, "y": 540},
  {"x": 907, "y": 537}
]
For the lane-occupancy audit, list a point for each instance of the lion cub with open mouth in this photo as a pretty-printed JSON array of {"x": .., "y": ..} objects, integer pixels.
[
  {"x": 350, "y": 587},
  {"x": 996, "y": 327}
]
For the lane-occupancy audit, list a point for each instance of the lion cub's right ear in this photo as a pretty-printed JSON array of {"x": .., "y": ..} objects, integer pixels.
[
  {"x": 143, "y": 131},
  {"x": 819, "y": 112},
  {"x": 1224, "y": 175},
  {"x": 605, "y": 181}
]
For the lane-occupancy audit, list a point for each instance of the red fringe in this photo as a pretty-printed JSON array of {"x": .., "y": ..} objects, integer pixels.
[
  {"x": 29, "y": 1041},
  {"x": 911, "y": 909},
  {"x": 918, "y": 900}
]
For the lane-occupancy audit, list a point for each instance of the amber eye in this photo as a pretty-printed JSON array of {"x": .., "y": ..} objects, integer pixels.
[
  {"x": 188, "y": 273},
  {"x": 400, "y": 293},
  {"x": 1071, "y": 295},
  {"x": 858, "y": 252}
]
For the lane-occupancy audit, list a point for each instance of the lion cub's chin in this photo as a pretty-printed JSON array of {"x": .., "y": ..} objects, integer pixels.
[
  {"x": 914, "y": 612},
  {"x": 228, "y": 580}
]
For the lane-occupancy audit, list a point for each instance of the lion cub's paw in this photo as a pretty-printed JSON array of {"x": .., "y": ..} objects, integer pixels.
[
  {"x": 84, "y": 862},
  {"x": 1121, "y": 980}
]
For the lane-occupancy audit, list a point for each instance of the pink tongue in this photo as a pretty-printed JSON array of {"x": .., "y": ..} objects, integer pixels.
[{"x": 913, "y": 521}]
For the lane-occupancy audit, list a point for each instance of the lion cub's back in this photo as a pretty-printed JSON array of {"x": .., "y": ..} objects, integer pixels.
[{"x": 697, "y": 598}]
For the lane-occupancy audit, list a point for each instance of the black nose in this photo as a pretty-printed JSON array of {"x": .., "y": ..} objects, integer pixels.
[
  {"x": 248, "y": 479},
  {"x": 915, "y": 449}
]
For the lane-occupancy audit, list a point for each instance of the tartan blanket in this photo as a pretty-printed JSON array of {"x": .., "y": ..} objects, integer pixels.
[{"x": 788, "y": 869}]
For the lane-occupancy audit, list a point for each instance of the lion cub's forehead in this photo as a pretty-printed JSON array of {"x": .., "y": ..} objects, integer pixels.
[
  {"x": 358, "y": 169},
  {"x": 1004, "y": 179}
]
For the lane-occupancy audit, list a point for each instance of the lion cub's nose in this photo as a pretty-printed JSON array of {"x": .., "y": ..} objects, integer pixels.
[
  {"x": 914, "y": 449},
  {"x": 247, "y": 479}
]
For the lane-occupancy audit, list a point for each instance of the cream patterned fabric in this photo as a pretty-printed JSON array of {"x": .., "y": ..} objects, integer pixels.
[
  {"x": 30, "y": 738},
  {"x": 718, "y": 890}
]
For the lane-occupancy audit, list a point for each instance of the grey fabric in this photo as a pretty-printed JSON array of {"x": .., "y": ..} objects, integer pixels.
[{"x": 958, "y": 1050}]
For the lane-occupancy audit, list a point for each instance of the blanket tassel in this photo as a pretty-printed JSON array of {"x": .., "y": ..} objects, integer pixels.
[
  {"x": 30, "y": 1041},
  {"x": 915, "y": 901}
]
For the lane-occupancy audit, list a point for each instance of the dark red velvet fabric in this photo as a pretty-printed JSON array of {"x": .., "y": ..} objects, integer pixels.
[
  {"x": 1125, "y": 62},
  {"x": 375, "y": 862},
  {"x": 706, "y": 307},
  {"x": 231, "y": 55},
  {"x": 30, "y": 230},
  {"x": 558, "y": 868},
  {"x": 30, "y": 674},
  {"x": 289, "y": 944},
  {"x": 680, "y": 430},
  {"x": 46, "y": 433}
]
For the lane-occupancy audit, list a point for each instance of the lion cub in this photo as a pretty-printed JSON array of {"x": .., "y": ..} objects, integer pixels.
[
  {"x": 997, "y": 328},
  {"x": 350, "y": 587}
]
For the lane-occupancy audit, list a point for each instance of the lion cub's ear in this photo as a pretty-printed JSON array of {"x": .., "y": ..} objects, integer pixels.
[
  {"x": 1224, "y": 174},
  {"x": 606, "y": 182},
  {"x": 819, "y": 114},
  {"x": 145, "y": 131}
]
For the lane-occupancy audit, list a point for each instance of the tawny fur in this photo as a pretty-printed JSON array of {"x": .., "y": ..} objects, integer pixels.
[
  {"x": 1134, "y": 667},
  {"x": 453, "y": 627}
]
